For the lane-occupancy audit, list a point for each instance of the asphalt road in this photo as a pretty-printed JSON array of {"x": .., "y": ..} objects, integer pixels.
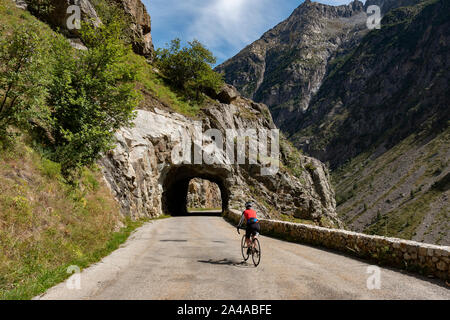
[{"x": 198, "y": 257}]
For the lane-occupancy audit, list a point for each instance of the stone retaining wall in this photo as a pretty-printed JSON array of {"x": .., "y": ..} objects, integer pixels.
[{"x": 426, "y": 259}]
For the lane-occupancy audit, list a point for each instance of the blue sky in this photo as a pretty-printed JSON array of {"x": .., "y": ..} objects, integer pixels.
[{"x": 224, "y": 26}]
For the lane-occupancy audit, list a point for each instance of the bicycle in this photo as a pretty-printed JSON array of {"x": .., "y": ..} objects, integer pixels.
[{"x": 255, "y": 250}]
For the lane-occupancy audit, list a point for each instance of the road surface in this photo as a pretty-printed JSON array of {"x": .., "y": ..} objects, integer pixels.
[{"x": 198, "y": 257}]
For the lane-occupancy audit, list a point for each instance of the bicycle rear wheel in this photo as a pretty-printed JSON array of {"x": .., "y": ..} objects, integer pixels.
[
  {"x": 244, "y": 249},
  {"x": 256, "y": 252}
]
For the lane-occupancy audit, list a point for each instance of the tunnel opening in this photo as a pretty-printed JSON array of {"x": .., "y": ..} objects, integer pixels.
[
  {"x": 203, "y": 196},
  {"x": 176, "y": 182}
]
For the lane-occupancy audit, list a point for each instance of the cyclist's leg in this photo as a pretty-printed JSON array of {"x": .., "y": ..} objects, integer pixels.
[
  {"x": 255, "y": 233},
  {"x": 248, "y": 234}
]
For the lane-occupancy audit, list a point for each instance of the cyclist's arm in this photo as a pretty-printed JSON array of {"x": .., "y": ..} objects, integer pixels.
[{"x": 241, "y": 222}]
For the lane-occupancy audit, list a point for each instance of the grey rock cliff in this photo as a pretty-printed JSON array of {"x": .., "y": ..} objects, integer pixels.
[
  {"x": 146, "y": 181},
  {"x": 375, "y": 107},
  {"x": 286, "y": 67},
  {"x": 140, "y": 25},
  {"x": 203, "y": 194},
  {"x": 134, "y": 12}
]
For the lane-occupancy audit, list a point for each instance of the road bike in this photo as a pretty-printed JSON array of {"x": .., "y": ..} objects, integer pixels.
[{"x": 254, "y": 250}]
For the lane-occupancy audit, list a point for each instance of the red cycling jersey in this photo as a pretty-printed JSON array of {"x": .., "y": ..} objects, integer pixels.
[{"x": 249, "y": 213}]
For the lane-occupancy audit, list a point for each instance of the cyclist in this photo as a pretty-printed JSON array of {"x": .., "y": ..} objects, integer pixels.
[{"x": 253, "y": 228}]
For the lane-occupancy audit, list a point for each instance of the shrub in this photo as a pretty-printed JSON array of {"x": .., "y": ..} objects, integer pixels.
[
  {"x": 40, "y": 8},
  {"x": 310, "y": 167},
  {"x": 92, "y": 95},
  {"x": 24, "y": 77},
  {"x": 189, "y": 68},
  {"x": 50, "y": 169}
]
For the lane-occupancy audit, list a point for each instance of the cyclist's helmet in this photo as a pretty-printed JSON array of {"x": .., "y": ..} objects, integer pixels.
[{"x": 248, "y": 204}]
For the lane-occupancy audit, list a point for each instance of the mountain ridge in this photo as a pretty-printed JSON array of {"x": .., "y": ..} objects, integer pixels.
[
  {"x": 296, "y": 51},
  {"x": 362, "y": 103}
]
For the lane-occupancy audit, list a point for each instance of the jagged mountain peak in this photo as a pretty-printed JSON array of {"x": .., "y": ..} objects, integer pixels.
[
  {"x": 286, "y": 66},
  {"x": 372, "y": 104}
]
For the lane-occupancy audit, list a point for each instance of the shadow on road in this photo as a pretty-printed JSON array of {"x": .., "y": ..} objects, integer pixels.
[
  {"x": 174, "y": 240},
  {"x": 226, "y": 262}
]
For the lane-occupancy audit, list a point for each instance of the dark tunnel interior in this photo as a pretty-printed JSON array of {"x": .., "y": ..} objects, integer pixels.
[{"x": 176, "y": 186}]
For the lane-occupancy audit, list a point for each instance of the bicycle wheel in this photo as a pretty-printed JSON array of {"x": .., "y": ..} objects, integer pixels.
[
  {"x": 244, "y": 248},
  {"x": 256, "y": 252}
]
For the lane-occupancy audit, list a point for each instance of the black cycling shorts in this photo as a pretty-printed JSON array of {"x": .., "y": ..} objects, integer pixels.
[{"x": 252, "y": 229}]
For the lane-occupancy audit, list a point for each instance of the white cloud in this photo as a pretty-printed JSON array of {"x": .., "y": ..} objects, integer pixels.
[
  {"x": 232, "y": 23},
  {"x": 224, "y": 26}
]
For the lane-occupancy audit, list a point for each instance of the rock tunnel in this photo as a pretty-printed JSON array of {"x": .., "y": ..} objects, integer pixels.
[{"x": 175, "y": 182}]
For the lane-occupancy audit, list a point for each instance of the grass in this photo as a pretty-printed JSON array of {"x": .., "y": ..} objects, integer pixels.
[
  {"x": 47, "y": 225},
  {"x": 404, "y": 221},
  {"x": 150, "y": 82},
  {"x": 43, "y": 278}
]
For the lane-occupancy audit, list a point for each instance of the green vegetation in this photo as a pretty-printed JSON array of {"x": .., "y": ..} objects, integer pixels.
[
  {"x": 291, "y": 157},
  {"x": 40, "y": 8},
  {"x": 405, "y": 221},
  {"x": 92, "y": 95},
  {"x": 112, "y": 12},
  {"x": 47, "y": 225},
  {"x": 72, "y": 101},
  {"x": 152, "y": 85},
  {"x": 59, "y": 108},
  {"x": 189, "y": 68},
  {"x": 23, "y": 82},
  {"x": 309, "y": 166},
  {"x": 414, "y": 196}
]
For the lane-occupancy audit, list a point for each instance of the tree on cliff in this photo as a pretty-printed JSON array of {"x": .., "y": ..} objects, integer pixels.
[
  {"x": 92, "y": 95},
  {"x": 70, "y": 101},
  {"x": 23, "y": 82},
  {"x": 189, "y": 68},
  {"x": 40, "y": 8}
]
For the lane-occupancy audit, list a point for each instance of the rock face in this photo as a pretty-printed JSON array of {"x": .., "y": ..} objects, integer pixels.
[
  {"x": 386, "y": 120},
  {"x": 286, "y": 67},
  {"x": 374, "y": 107},
  {"x": 134, "y": 11},
  {"x": 367, "y": 97},
  {"x": 58, "y": 16},
  {"x": 21, "y": 4},
  {"x": 147, "y": 178},
  {"x": 140, "y": 26},
  {"x": 203, "y": 194}
]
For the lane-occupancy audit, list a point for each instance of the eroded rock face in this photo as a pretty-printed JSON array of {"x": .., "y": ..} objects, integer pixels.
[
  {"x": 134, "y": 10},
  {"x": 147, "y": 181},
  {"x": 21, "y": 4},
  {"x": 60, "y": 18},
  {"x": 286, "y": 66},
  {"x": 203, "y": 194},
  {"x": 140, "y": 26}
]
